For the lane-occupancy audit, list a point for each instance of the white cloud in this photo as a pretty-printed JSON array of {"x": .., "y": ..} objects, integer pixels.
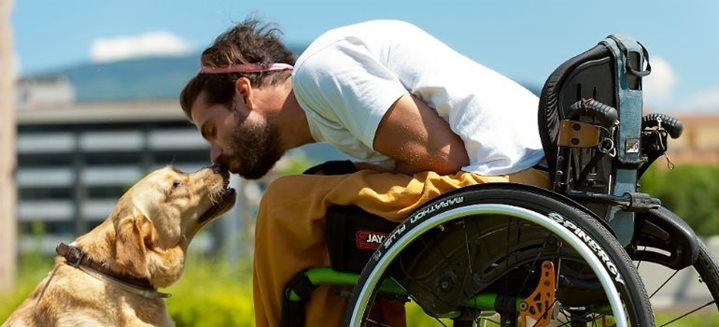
[
  {"x": 703, "y": 101},
  {"x": 659, "y": 85},
  {"x": 134, "y": 46}
]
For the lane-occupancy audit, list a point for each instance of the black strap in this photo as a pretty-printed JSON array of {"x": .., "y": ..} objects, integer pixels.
[
  {"x": 542, "y": 165},
  {"x": 628, "y": 67},
  {"x": 334, "y": 167},
  {"x": 76, "y": 257},
  {"x": 506, "y": 306},
  {"x": 293, "y": 310}
]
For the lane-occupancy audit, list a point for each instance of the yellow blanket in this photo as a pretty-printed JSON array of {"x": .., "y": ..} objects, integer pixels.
[{"x": 290, "y": 231}]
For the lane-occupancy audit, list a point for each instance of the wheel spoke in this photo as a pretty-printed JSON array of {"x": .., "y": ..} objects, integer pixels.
[
  {"x": 664, "y": 283},
  {"x": 688, "y": 313}
]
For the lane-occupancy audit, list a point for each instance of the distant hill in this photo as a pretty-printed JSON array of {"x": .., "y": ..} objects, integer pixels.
[{"x": 134, "y": 79}]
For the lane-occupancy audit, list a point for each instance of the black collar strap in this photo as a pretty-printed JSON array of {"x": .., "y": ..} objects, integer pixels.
[{"x": 77, "y": 258}]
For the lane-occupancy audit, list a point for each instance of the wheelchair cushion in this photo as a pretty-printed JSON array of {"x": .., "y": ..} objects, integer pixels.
[{"x": 587, "y": 75}]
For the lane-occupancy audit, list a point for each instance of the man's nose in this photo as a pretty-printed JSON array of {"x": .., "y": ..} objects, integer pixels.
[{"x": 215, "y": 152}]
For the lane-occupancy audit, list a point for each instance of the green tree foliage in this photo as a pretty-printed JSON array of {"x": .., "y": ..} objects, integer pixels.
[{"x": 692, "y": 192}]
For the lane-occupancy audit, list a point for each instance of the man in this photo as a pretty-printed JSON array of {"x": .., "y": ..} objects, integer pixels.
[{"x": 420, "y": 118}]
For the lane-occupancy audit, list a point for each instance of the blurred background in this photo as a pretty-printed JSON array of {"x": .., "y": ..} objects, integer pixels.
[{"x": 88, "y": 105}]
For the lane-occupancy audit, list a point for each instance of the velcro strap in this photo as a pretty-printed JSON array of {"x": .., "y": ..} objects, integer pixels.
[
  {"x": 577, "y": 134},
  {"x": 293, "y": 307},
  {"x": 301, "y": 286}
]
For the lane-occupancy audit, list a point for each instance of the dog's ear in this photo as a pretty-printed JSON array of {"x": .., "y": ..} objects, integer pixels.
[{"x": 134, "y": 235}]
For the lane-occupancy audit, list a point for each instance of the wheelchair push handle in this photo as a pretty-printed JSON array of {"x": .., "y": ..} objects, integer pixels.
[
  {"x": 672, "y": 125},
  {"x": 606, "y": 114}
]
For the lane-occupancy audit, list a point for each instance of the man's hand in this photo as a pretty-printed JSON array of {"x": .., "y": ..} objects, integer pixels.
[{"x": 334, "y": 167}]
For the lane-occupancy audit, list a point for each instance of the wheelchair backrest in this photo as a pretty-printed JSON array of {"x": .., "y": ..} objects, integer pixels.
[{"x": 590, "y": 123}]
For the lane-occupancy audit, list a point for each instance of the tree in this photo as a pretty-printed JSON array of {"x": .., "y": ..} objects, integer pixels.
[{"x": 692, "y": 192}]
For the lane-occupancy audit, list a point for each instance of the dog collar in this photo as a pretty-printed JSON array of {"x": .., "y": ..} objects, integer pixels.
[{"x": 75, "y": 257}]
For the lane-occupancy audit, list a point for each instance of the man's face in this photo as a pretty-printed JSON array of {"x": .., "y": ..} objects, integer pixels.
[{"x": 240, "y": 140}]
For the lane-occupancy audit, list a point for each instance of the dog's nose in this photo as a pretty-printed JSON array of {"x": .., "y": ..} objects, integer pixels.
[{"x": 220, "y": 169}]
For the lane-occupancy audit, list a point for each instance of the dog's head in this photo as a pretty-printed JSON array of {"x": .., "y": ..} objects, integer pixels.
[
  {"x": 178, "y": 204},
  {"x": 153, "y": 223}
]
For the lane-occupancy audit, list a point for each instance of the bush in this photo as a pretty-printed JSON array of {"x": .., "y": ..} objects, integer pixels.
[
  {"x": 692, "y": 192},
  {"x": 31, "y": 269},
  {"x": 211, "y": 293},
  {"x": 30, "y": 272}
]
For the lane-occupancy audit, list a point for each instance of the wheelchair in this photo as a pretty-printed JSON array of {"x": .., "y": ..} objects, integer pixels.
[{"x": 519, "y": 255}]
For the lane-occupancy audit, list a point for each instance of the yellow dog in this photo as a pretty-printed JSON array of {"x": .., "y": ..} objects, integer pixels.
[{"x": 110, "y": 276}]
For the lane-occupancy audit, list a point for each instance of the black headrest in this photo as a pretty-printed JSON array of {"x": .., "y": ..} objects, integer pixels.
[{"x": 588, "y": 75}]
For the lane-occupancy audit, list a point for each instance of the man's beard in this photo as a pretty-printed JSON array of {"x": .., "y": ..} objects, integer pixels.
[{"x": 256, "y": 148}]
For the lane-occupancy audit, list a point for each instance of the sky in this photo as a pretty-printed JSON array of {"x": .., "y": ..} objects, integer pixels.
[{"x": 525, "y": 40}]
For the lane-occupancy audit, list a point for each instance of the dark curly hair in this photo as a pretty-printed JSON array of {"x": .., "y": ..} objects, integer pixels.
[{"x": 249, "y": 42}]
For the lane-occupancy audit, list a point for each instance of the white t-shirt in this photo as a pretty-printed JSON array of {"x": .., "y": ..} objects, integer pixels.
[{"x": 349, "y": 77}]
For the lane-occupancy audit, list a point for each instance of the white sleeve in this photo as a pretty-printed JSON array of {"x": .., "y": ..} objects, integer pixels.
[{"x": 346, "y": 87}]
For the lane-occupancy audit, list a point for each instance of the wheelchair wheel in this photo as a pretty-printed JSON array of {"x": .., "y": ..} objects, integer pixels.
[
  {"x": 522, "y": 253},
  {"x": 686, "y": 295}
]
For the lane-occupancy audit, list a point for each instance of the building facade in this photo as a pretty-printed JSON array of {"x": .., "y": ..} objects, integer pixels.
[
  {"x": 76, "y": 160},
  {"x": 699, "y": 143}
]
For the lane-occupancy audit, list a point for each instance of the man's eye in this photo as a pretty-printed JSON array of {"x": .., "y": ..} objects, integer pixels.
[{"x": 208, "y": 132}]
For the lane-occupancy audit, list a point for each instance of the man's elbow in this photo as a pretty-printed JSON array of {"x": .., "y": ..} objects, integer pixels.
[
  {"x": 452, "y": 163},
  {"x": 440, "y": 162}
]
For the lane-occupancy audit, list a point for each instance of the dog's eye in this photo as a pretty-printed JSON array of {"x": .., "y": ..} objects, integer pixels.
[{"x": 176, "y": 184}]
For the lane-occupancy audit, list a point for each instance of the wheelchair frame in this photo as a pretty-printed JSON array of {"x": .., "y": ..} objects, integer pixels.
[{"x": 597, "y": 146}]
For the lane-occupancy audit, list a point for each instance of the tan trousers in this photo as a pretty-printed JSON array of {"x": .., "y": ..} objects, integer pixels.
[{"x": 290, "y": 231}]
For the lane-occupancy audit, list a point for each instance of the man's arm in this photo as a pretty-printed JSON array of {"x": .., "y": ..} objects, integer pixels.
[{"x": 418, "y": 139}]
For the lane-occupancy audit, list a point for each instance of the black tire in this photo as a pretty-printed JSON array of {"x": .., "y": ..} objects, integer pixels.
[
  {"x": 679, "y": 273},
  {"x": 702, "y": 278},
  {"x": 428, "y": 231},
  {"x": 708, "y": 269}
]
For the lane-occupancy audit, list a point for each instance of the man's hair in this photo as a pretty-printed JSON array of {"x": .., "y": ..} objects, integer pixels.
[{"x": 250, "y": 42}]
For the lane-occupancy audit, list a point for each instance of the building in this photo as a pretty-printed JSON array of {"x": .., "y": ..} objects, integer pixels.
[
  {"x": 76, "y": 159},
  {"x": 43, "y": 91},
  {"x": 699, "y": 143}
]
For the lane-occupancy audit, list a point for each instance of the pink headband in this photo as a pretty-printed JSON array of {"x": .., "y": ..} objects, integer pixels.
[{"x": 245, "y": 68}]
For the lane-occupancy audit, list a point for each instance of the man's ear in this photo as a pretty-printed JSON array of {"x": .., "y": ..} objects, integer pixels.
[
  {"x": 243, "y": 89},
  {"x": 134, "y": 235}
]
